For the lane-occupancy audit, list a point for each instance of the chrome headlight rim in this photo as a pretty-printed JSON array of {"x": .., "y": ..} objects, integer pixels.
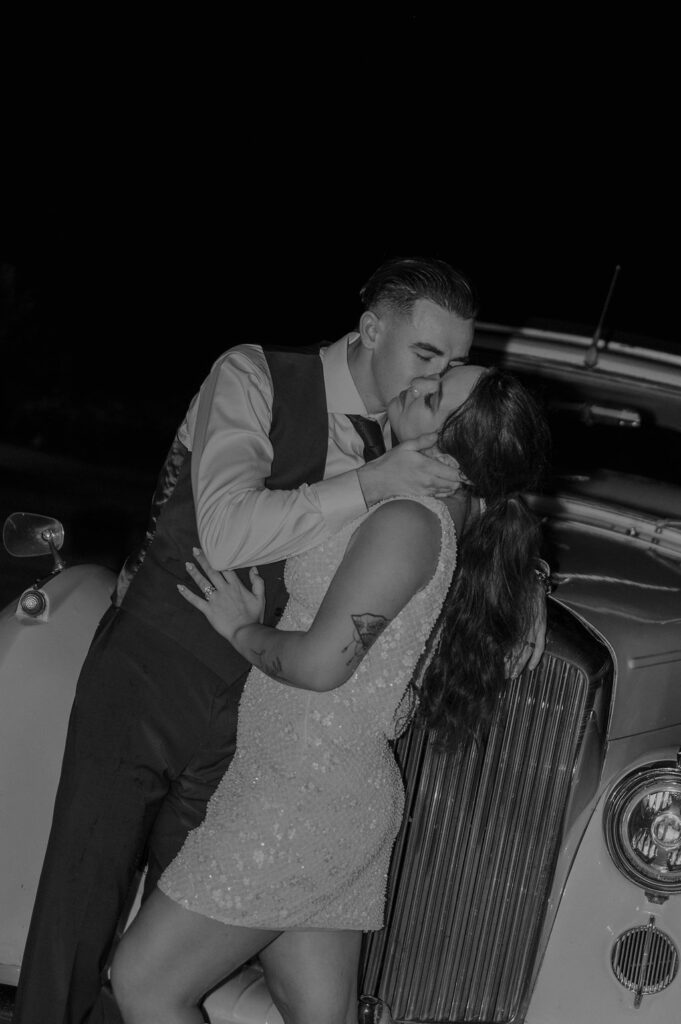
[{"x": 624, "y": 800}]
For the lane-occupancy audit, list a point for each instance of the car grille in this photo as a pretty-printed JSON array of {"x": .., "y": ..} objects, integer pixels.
[{"x": 473, "y": 864}]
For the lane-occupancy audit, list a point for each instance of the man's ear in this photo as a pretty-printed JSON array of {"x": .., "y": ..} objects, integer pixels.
[{"x": 368, "y": 329}]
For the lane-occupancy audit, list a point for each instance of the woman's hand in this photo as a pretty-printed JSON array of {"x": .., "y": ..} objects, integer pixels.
[{"x": 226, "y": 603}]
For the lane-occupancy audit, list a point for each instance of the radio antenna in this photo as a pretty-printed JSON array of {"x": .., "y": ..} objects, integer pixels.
[{"x": 591, "y": 354}]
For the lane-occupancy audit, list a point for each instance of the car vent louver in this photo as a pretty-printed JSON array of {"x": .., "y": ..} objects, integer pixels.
[
  {"x": 473, "y": 864},
  {"x": 645, "y": 959}
]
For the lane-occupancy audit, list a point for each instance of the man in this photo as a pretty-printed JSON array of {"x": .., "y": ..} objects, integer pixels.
[{"x": 276, "y": 466}]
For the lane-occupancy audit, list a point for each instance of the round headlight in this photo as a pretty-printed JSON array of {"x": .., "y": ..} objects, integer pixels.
[{"x": 643, "y": 827}]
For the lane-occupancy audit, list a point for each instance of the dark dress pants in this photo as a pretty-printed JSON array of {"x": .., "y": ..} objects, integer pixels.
[{"x": 151, "y": 734}]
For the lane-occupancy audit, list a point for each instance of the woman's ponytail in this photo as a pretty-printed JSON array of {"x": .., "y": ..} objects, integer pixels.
[
  {"x": 500, "y": 439},
  {"x": 489, "y": 606}
]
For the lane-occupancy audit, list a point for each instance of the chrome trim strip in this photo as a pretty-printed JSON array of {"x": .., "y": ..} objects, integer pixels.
[
  {"x": 649, "y": 660},
  {"x": 527, "y": 341},
  {"x": 643, "y": 531}
]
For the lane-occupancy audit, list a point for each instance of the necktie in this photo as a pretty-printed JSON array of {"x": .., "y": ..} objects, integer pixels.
[{"x": 371, "y": 434}]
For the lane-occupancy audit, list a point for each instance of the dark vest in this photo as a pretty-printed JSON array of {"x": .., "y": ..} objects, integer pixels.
[{"x": 299, "y": 436}]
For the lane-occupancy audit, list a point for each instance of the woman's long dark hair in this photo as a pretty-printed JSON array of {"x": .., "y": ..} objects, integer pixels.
[{"x": 501, "y": 441}]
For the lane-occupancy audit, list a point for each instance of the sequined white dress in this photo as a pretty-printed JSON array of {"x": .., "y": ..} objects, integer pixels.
[{"x": 299, "y": 832}]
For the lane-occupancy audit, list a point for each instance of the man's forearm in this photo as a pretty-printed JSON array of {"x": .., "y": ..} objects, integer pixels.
[
  {"x": 240, "y": 521},
  {"x": 256, "y": 526}
]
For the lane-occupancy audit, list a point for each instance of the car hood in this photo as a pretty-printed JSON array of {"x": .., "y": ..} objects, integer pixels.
[
  {"x": 619, "y": 569},
  {"x": 623, "y": 492}
]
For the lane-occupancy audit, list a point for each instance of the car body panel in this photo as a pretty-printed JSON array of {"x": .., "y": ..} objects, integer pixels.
[
  {"x": 244, "y": 999},
  {"x": 39, "y": 665},
  {"x": 602, "y": 576},
  {"x": 575, "y": 981}
]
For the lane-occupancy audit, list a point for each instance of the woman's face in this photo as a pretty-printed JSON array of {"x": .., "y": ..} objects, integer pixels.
[{"x": 428, "y": 401}]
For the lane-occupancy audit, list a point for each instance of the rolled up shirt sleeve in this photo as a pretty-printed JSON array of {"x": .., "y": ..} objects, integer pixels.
[{"x": 241, "y": 522}]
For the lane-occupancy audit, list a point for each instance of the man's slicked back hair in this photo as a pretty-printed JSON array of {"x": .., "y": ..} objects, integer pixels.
[{"x": 398, "y": 283}]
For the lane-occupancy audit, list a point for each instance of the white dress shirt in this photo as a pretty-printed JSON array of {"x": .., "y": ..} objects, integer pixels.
[{"x": 241, "y": 522}]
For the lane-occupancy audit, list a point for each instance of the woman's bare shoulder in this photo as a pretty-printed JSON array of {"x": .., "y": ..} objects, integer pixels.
[
  {"x": 403, "y": 526},
  {"x": 404, "y": 513}
]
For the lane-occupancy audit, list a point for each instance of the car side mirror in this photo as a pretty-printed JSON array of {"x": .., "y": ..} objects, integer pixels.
[{"x": 28, "y": 535}]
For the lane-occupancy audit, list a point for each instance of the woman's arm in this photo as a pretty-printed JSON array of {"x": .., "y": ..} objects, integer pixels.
[{"x": 390, "y": 557}]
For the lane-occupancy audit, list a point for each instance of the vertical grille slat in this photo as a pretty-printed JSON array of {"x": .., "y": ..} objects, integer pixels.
[
  {"x": 474, "y": 860},
  {"x": 499, "y": 921}
]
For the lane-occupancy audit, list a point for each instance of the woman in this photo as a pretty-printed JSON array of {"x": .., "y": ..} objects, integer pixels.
[{"x": 291, "y": 860}]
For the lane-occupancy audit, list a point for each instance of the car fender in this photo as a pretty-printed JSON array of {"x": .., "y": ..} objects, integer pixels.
[
  {"x": 40, "y": 659},
  {"x": 576, "y": 981},
  {"x": 244, "y": 999}
]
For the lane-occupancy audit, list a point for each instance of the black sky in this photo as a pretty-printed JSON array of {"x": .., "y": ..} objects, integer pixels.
[{"x": 174, "y": 188}]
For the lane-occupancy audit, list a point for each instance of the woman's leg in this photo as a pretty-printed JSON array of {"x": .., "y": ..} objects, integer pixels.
[
  {"x": 170, "y": 957},
  {"x": 312, "y": 975}
]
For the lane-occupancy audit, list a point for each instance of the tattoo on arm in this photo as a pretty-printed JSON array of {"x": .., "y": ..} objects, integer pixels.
[
  {"x": 271, "y": 668},
  {"x": 368, "y": 628}
]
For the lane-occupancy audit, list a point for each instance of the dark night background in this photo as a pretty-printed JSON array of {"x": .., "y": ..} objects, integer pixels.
[{"x": 170, "y": 188}]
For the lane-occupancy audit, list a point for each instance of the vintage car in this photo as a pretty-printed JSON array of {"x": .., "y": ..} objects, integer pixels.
[{"x": 537, "y": 876}]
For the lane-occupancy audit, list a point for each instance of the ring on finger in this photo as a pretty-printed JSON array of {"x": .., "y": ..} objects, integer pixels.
[{"x": 207, "y": 591}]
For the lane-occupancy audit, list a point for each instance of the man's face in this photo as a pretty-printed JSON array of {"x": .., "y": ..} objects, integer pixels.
[{"x": 423, "y": 344}]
